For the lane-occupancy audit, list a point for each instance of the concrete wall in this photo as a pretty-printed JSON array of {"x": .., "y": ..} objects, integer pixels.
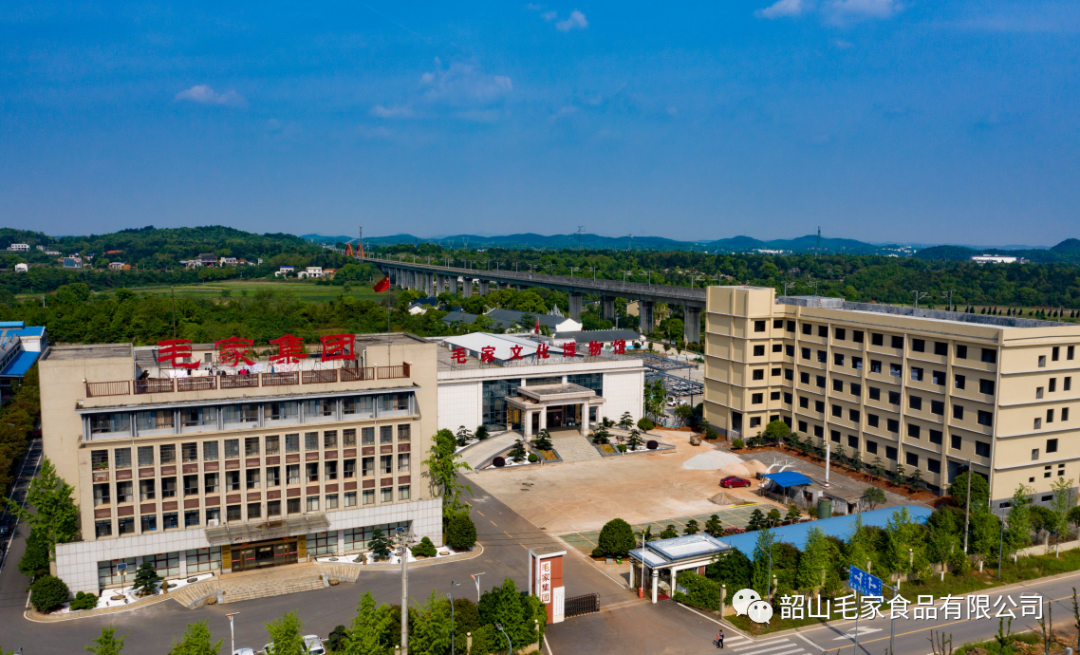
[{"x": 460, "y": 403}]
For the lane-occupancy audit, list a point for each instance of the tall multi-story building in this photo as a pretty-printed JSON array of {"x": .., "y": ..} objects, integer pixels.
[
  {"x": 227, "y": 468},
  {"x": 925, "y": 389}
]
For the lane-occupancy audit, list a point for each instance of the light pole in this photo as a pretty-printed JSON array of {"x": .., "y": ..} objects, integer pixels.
[
  {"x": 403, "y": 539},
  {"x": 232, "y": 633},
  {"x": 452, "y": 624},
  {"x": 1001, "y": 544},
  {"x": 967, "y": 509},
  {"x": 509, "y": 644},
  {"x": 476, "y": 579}
]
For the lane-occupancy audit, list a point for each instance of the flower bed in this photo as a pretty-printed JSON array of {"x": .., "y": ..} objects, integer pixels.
[{"x": 128, "y": 596}]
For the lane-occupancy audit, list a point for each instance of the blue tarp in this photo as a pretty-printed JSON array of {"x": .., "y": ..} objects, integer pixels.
[
  {"x": 788, "y": 478},
  {"x": 20, "y": 365},
  {"x": 837, "y": 526}
]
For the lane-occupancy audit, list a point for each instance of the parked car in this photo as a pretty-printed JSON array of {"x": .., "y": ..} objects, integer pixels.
[
  {"x": 732, "y": 481},
  {"x": 314, "y": 645},
  {"x": 244, "y": 651}
]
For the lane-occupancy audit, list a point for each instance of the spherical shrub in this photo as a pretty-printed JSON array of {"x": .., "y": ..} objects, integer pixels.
[
  {"x": 598, "y": 552},
  {"x": 84, "y": 601},
  {"x": 533, "y": 458},
  {"x": 645, "y": 423},
  {"x": 48, "y": 593},
  {"x": 622, "y": 448},
  {"x": 616, "y": 537},
  {"x": 498, "y": 462},
  {"x": 424, "y": 549},
  {"x": 461, "y": 532},
  {"x": 738, "y": 443},
  {"x": 651, "y": 445}
]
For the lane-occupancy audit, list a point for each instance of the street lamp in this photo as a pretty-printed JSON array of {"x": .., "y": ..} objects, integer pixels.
[
  {"x": 452, "y": 623},
  {"x": 476, "y": 580},
  {"x": 232, "y": 633},
  {"x": 404, "y": 538},
  {"x": 509, "y": 644}
]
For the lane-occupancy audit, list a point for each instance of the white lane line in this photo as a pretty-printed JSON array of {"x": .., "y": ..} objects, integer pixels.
[
  {"x": 807, "y": 640},
  {"x": 798, "y": 649},
  {"x": 785, "y": 644}
]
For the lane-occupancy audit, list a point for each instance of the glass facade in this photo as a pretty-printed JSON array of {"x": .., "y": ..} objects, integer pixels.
[
  {"x": 535, "y": 382},
  {"x": 594, "y": 381},
  {"x": 494, "y": 400},
  {"x": 358, "y": 538}
]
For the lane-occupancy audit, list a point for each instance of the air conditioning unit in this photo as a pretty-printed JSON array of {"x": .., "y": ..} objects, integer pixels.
[{"x": 212, "y": 522}]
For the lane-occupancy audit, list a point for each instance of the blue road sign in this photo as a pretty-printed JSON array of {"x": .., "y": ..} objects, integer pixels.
[{"x": 863, "y": 583}]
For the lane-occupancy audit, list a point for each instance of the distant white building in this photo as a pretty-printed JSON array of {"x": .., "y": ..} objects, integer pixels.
[
  {"x": 285, "y": 271},
  {"x": 19, "y": 247},
  {"x": 227, "y": 261},
  {"x": 22, "y": 268},
  {"x": 996, "y": 259},
  {"x": 310, "y": 271}
]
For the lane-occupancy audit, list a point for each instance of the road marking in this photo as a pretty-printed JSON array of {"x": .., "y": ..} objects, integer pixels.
[
  {"x": 493, "y": 523},
  {"x": 508, "y": 534},
  {"x": 798, "y": 649},
  {"x": 479, "y": 512},
  {"x": 860, "y": 632},
  {"x": 783, "y": 644},
  {"x": 807, "y": 640}
]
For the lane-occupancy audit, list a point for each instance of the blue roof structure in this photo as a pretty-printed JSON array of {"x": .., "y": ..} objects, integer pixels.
[
  {"x": 787, "y": 479},
  {"x": 837, "y": 526},
  {"x": 20, "y": 365},
  {"x": 678, "y": 549},
  {"x": 12, "y": 324},
  {"x": 33, "y": 331}
]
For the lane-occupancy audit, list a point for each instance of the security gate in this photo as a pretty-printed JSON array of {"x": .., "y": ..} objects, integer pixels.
[{"x": 579, "y": 605}]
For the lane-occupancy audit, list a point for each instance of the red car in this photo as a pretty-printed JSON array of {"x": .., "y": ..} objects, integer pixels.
[{"x": 733, "y": 481}]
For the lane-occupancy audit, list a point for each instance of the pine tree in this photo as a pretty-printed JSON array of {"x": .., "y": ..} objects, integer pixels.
[
  {"x": 146, "y": 578},
  {"x": 197, "y": 640},
  {"x": 107, "y": 642}
]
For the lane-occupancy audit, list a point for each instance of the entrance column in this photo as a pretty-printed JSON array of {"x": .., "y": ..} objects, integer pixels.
[
  {"x": 645, "y": 313},
  {"x": 692, "y": 324},
  {"x": 484, "y": 287},
  {"x": 655, "y": 584},
  {"x": 575, "y": 306},
  {"x": 340, "y": 542},
  {"x": 584, "y": 423},
  {"x": 543, "y": 418},
  {"x": 526, "y": 427},
  {"x": 607, "y": 308}
]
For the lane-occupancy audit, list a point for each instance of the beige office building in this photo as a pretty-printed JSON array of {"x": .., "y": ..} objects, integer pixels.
[
  {"x": 927, "y": 389},
  {"x": 214, "y": 470}
]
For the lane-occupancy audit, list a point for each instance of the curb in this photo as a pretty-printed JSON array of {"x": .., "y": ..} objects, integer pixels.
[
  {"x": 37, "y": 617},
  {"x": 397, "y": 567}
]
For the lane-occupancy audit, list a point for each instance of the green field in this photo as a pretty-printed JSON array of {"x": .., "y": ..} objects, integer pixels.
[{"x": 307, "y": 291}]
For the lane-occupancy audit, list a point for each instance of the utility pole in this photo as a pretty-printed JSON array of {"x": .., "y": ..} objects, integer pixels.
[
  {"x": 174, "y": 318},
  {"x": 232, "y": 633},
  {"x": 579, "y": 232},
  {"x": 403, "y": 540},
  {"x": 967, "y": 509},
  {"x": 452, "y": 623},
  {"x": 919, "y": 296},
  {"x": 476, "y": 579}
]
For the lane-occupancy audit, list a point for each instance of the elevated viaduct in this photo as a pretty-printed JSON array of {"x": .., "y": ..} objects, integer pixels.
[{"x": 433, "y": 280}]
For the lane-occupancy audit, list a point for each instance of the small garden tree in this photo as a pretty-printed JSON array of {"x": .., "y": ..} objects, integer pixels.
[
  {"x": 518, "y": 453},
  {"x": 616, "y": 538},
  {"x": 669, "y": 532},
  {"x": 635, "y": 440},
  {"x": 757, "y": 520},
  {"x": 774, "y": 517},
  {"x": 627, "y": 421},
  {"x": 872, "y": 497},
  {"x": 107, "y": 642},
  {"x": 463, "y": 435},
  {"x": 601, "y": 435},
  {"x": 645, "y": 424},
  {"x": 684, "y": 413},
  {"x": 692, "y": 527},
  {"x": 542, "y": 441},
  {"x": 793, "y": 513},
  {"x": 146, "y": 577},
  {"x": 48, "y": 593},
  {"x": 481, "y": 432},
  {"x": 380, "y": 545},
  {"x": 713, "y": 526},
  {"x": 776, "y": 432},
  {"x": 461, "y": 532}
]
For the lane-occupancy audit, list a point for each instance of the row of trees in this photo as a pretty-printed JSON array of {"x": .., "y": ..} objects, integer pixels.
[{"x": 17, "y": 420}]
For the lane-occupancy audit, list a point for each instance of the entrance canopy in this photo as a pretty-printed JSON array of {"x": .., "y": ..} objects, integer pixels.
[
  {"x": 786, "y": 479},
  {"x": 245, "y": 532}
]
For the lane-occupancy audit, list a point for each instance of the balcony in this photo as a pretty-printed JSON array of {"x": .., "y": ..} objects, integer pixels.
[
  {"x": 239, "y": 381},
  {"x": 154, "y": 386},
  {"x": 197, "y": 384}
]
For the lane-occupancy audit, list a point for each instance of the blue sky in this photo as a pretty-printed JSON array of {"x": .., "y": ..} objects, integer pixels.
[{"x": 882, "y": 120}]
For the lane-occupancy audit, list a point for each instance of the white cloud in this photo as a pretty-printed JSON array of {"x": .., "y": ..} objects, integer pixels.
[
  {"x": 784, "y": 8},
  {"x": 549, "y": 16},
  {"x": 464, "y": 85},
  {"x": 576, "y": 21},
  {"x": 534, "y": 7},
  {"x": 847, "y": 10},
  {"x": 379, "y": 111},
  {"x": 204, "y": 95}
]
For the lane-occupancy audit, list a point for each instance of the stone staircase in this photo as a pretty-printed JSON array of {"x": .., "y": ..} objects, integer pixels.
[
  {"x": 574, "y": 447},
  {"x": 262, "y": 584}
]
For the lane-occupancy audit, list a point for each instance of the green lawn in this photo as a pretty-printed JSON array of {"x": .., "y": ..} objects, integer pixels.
[{"x": 308, "y": 291}]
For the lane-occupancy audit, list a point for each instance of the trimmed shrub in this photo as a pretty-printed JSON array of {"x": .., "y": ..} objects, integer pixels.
[
  {"x": 645, "y": 424},
  {"x": 533, "y": 458},
  {"x": 498, "y": 462},
  {"x": 84, "y": 601},
  {"x": 738, "y": 443},
  {"x": 461, "y": 532},
  {"x": 424, "y": 549},
  {"x": 651, "y": 445},
  {"x": 598, "y": 552},
  {"x": 48, "y": 593},
  {"x": 700, "y": 591},
  {"x": 621, "y": 447},
  {"x": 616, "y": 538}
]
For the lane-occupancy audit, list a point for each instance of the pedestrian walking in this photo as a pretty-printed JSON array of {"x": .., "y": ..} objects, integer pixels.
[{"x": 720, "y": 639}]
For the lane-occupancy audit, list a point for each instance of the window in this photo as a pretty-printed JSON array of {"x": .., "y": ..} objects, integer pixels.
[
  {"x": 232, "y": 448},
  {"x": 191, "y": 518},
  {"x": 99, "y": 460},
  {"x": 890, "y": 453},
  {"x": 312, "y": 472},
  {"x": 191, "y": 485},
  {"x": 835, "y": 435},
  {"x": 386, "y": 434},
  {"x": 789, "y": 351},
  {"x": 807, "y": 328},
  {"x": 790, "y": 327},
  {"x": 959, "y": 381},
  {"x": 759, "y": 374},
  {"x": 804, "y": 402},
  {"x": 778, "y": 347},
  {"x": 369, "y": 496},
  {"x": 918, "y": 345},
  {"x": 776, "y": 372},
  {"x": 146, "y": 455},
  {"x": 956, "y": 443},
  {"x": 961, "y": 352},
  {"x": 840, "y": 333},
  {"x": 936, "y": 437},
  {"x": 170, "y": 520},
  {"x": 986, "y": 387},
  {"x": 273, "y": 476},
  {"x": 168, "y": 487},
  {"x": 877, "y": 339},
  {"x": 912, "y": 459},
  {"x": 386, "y": 464},
  {"x": 941, "y": 348},
  {"x": 320, "y": 407},
  {"x": 989, "y": 356},
  {"x": 281, "y": 411},
  {"x": 253, "y": 478},
  {"x": 820, "y": 381},
  {"x": 913, "y": 431},
  {"x": 330, "y": 469},
  {"x": 348, "y": 438},
  {"x": 1049, "y": 416},
  {"x": 822, "y": 357},
  {"x": 239, "y": 414},
  {"x": 146, "y": 490},
  {"x": 875, "y": 393},
  {"x": 915, "y": 402},
  {"x": 893, "y": 425},
  {"x": 350, "y": 468},
  {"x": 958, "y": 412},
  {"x": 210, "y": 451},
  {"x": 853, "y": 415},
  {"x": 938, "y": 377},
  {"x": 894, "y": 397},
  {"x": 367, "y": 436},
  {"x": 232, "y": 481},
  {"x": 358, "y": 405},
  {"x": 856, "y": 363},
  {"x": 787, "y": 399},
  {"x": 837, "y": 411},
  {"x": 982, "y": 449},
  {"x": 403, "y": 463},
  {"x": 838, "y": 385},
  {"x": 368, "y": 466},
  {"x": 105, "y": 423},
  {"x": 1064, "y": 414},
  {"x": 1053, "y": 385},
  {"x": 149, "y": 522},
  {"x": 189, "y": 452},
  {"x": 311, "y": 441},
  {"x": 330, "y": 439},
  {"x": 101, "y": 495},
  {"x": 203, "y": 559},
  {"x": 838, "y": 359},
  {"x": 1042, "y": 361},
  {"x": 102, "y": 529},
  {"x": 871, "y": 447},
  {"x": 312, "y": 503},
  {"x": 759, "y": 326},
  {"x": 933, "y": 465},
  {"x": 937, "y": 407},
  {"x": 251, "y": 447},
  {"x": 823, "y": 331},
  {"x": 806, "y": 353},
  {"x": 292, "y": 443},
  {"x": 1051, "y": 445},
  {"x": 197, "y": 417},
  {"x": 1055, "y": 353},
  {"x": 853, "y": 442},
  {"x": 272, "y": 445},
  {"x": 802, "y": 426},
  {"x": 875, "y": 366},
  {"x": 1069, "y": 352},
  {"x": 210, "y": 483},
  {"x": 755, "y": 421},
  {"x": 759, "y": 351},
  {"x": 916, "y": 374},
  {"x": 292, "y": 506},
  {"x": 775, "y": 395},
  {"x": 897, "y": 342},
  {"x": 986, "y": 418},
  {"x": 856, "y": 389},
  {"x": 804, "y": 377},
  {"x": 386, "y": 495},
  {"x": 819, "y": 406},
  {"x": 350, "y": 499},
  {"x": 872, "y": 420},
  {"x": 896, "y": 370},
  {"x": 331, "y": 501},
  {"x": 233, "y": 513}
]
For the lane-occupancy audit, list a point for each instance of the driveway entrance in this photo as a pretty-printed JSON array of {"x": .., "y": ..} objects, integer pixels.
[{"x": 248, "y": 557}]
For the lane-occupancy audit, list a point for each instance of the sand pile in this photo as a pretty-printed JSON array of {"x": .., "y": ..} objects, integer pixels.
[
  {"x": 723, "y": 498},
  {"x": 711, "y": 461},
  {"x": 738, "y": 470},
  {"x": 754, "y": 467}
]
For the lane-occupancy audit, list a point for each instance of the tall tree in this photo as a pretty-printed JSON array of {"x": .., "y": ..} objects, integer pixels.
[
  {"x": 431, "y": 627},
  {"x": 371, "y": 631},
  {"x": 763, "y": 554},
  {"x": 197, "y": 640},
  {"x": 286, "y": 635},
  {"x": 107, "y": 642},
  {"x": 443, "y": 466},
  {"x": 818, "y": 558},
  {"x": 1018, "y": 525},
  {"x": 51, "y": 512},
  {"x": 1062, "y": 502}
]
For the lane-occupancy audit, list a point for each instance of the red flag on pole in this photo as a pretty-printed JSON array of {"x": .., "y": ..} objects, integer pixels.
[
  {"x": 536, "y": 330},
  {"x": 382, "y": 285}
]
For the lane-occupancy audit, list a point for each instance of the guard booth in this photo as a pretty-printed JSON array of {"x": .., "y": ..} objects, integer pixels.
[
  {"x": 546, "y": 580},
  {"x": 786, "y": 487}
]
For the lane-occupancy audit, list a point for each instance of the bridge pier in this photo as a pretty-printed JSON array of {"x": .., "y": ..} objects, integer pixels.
[
  {"x": 468, "y": 284},
  {"x": 645, "y": 316},
  {"x": 575, "y": 306},
  {"x": 692, "y": 324},
  {"x": 440, "y": 284},
  {"x": 453, "y": 283},
  {"x": 607, "y": 308},
  {"x": 484, "y": 287}
]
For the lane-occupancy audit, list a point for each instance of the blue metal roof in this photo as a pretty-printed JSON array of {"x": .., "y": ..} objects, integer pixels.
[
  {"x": 12, "y": 324},
  {"x": 33, "y": 331},
  {"x": 837, "y": 526},
  {"x": 788, "y": 478},
  {"x": 20, "y": 365}
]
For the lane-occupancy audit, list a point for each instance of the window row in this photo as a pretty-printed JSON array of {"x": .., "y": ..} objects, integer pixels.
[
  {"x": 1050, "y": 417},
  {"x": 1065, "y": 386},
  {"x": 982, "y": 448},
  {"x": 1055, "y": 355}
]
